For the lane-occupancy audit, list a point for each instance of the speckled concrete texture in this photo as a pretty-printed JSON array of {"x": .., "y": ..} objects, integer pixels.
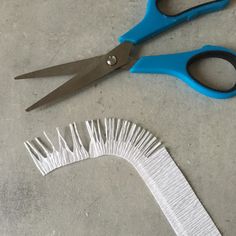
[{"x": 106, "y": 196}]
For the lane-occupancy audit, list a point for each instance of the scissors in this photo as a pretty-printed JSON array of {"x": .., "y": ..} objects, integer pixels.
[{"x": 122, "y": 57}]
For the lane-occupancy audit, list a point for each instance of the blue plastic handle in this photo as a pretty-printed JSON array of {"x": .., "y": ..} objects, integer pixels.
[
  {"x": 178, "y": 65},
  {"x": 156, "y": 22}
]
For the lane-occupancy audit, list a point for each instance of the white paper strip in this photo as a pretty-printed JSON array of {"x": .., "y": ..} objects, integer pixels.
[{"x": 143, "y": 150}]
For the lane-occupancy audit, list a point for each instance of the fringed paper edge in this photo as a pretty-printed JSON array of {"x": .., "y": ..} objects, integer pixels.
[{"x": 124, "y": 139}]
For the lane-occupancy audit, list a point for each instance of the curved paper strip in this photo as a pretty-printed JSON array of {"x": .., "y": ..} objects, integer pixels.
[{"x": 143, "y": 150}]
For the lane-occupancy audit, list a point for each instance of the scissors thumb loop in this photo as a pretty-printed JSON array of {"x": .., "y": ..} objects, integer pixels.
[
  {"x": 178, "y": 65},
  {"x": 156, "y": 21}
]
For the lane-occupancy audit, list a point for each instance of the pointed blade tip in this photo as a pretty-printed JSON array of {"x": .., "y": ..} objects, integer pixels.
[
  {"x": 20, "y": 77},
  {"x": 30, "y": 108}
]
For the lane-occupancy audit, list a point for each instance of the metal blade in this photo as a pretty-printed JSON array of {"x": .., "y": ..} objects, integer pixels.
[
  {"x": 72, "y": 85},
  {"x": 115, "y": 59},
  {"x": 64, "y": 69}
]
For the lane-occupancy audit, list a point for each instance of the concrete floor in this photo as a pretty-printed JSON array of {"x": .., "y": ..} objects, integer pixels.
[{"x": 107, "y": 197}]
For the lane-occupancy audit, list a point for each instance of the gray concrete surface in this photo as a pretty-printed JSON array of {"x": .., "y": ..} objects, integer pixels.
[{"x": 106, "y": 197}]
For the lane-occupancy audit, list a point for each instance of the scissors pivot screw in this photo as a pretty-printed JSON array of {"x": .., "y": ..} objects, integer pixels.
[{"x": 112, "y": 60}]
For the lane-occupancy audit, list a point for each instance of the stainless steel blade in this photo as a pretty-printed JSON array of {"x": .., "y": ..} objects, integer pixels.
[
  {"x": 115, "y": 59},
  {"x": 64, "y": 69},
  {"x": 71, "y": 86}
]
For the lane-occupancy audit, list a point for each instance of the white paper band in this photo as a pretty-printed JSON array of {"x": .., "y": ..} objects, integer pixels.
[{"x": 143, "y": 150}]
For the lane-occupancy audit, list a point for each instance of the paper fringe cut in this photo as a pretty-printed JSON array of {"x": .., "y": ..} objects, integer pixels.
[{"x": 144, "y": 151}]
